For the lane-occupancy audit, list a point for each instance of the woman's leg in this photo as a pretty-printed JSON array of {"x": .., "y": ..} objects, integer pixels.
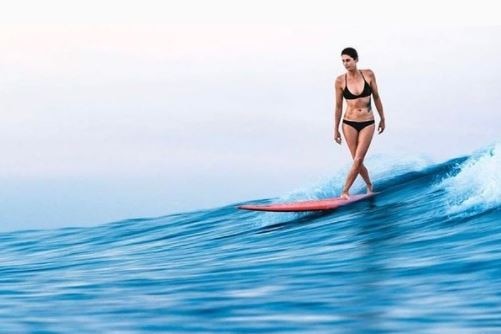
[
  {"x": 351, "y": 137},
  {"x": 358, "y": 143}
]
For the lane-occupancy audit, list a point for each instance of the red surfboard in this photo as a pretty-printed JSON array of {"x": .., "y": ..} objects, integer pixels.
[{"x": 313, "y": 205}]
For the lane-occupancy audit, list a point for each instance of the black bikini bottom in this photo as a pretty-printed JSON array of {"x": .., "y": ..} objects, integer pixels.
[{"x": 358, "y": 125}]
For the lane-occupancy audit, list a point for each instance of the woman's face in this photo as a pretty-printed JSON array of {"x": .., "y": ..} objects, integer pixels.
[{"x": 348, "y": 62}]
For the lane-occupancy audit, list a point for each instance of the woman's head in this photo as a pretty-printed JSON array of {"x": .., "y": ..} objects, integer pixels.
[
  {"x": 349, "y": 56},
  {"x": 350, "y": 52}
]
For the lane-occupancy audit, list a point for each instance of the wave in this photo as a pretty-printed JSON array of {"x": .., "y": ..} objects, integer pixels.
[{"x": 421, "y": 256}]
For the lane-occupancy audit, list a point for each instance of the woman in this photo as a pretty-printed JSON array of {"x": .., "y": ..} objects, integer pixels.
[{"x": 356, "y": 86}]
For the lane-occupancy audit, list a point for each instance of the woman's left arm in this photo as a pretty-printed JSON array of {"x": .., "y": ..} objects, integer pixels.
[{"x": 377, "y": 100}]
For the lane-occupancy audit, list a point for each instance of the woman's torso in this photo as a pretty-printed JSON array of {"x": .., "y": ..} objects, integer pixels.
[{"x": 357, "y": 94}]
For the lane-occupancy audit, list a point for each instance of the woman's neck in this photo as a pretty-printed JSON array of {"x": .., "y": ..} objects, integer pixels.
[{"x": 353, "y": 72}]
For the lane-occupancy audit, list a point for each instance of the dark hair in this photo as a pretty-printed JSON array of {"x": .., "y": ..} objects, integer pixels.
[{"x": 350, "y": 52}]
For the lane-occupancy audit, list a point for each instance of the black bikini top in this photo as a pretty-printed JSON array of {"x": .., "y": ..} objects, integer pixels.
[{"x": 367, "y": 91}]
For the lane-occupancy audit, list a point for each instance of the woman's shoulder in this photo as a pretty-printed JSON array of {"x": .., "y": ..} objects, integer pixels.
[
  {"x": 339, "y": 79},
  {"x": 368, "y": 72}
]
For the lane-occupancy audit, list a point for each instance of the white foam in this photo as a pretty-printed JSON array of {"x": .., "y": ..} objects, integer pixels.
[
  {"x": 381, "y": 167},
  {"x": 477, "y": 186}
]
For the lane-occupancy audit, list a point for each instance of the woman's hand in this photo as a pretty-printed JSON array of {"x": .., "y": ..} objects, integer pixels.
[
  {"x": 337, "y": 137},
  {"x": 381, "y": 126}
]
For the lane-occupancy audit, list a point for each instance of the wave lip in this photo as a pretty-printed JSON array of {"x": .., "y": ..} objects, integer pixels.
[{"x": 475, "y": 185}]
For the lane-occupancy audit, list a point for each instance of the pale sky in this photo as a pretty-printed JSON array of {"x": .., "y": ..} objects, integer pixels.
[{"x": 112, "y": 110}]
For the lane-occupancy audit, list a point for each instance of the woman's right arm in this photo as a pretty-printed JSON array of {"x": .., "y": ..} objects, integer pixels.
[{"x": 338, "y": 93}]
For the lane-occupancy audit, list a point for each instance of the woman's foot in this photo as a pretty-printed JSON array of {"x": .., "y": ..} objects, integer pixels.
[
  {"x": 345, "y": 195},
  {"x": 369, "y": 188}
]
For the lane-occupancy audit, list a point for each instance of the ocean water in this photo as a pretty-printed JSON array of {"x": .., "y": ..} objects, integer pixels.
[{"x": 423, "y": 256}]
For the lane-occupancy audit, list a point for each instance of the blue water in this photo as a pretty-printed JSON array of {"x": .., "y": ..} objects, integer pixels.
[{"x": 424, "y": 256}]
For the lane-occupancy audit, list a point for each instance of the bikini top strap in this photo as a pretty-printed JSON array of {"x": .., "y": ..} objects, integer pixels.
[
  {"x": 362, "y": 74},
  {"x": 345, "y": 81}
]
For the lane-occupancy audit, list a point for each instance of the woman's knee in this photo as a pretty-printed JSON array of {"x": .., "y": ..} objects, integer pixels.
[{"x": 358, "y": 162}]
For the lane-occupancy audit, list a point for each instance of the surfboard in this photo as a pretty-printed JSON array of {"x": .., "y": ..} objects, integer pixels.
[{"x": 311, "y": 205}]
